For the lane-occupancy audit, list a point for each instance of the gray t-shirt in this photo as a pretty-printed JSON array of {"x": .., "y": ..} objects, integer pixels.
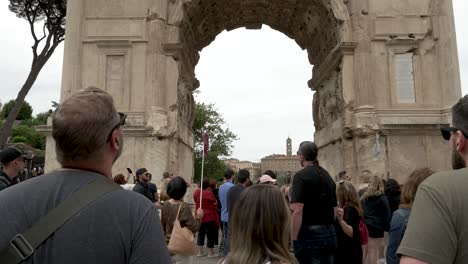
[
  {"x": 119, "y": 227},
  {"x": 437, "y": 230}
]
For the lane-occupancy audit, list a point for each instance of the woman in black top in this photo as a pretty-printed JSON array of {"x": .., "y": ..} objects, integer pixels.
[
  {"x": 377, "y": 215},
  {"x": 349, "y": 214},
  {"x": 393, "y": 192}
]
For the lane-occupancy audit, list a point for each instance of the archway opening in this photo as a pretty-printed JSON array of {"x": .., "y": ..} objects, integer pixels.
[{"x": 258, "y": 82}]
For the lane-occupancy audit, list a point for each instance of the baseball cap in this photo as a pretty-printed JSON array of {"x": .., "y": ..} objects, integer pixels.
[
  {"x": 9, "y": 154},
  {"x": 266, "y": 179},
  {"x": 140, "y": 171}
]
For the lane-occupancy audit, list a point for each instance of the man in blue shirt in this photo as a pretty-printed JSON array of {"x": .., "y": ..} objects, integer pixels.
[{"x": 223, "y": 190}]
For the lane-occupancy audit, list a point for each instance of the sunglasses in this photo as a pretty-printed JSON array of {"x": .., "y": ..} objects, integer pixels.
[
  {"x": 447, "y": 132},
  {"x": 119, "y": 124}
]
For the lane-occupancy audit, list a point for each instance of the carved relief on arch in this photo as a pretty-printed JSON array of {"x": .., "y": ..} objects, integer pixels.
[{"x": 316, "y": 25}]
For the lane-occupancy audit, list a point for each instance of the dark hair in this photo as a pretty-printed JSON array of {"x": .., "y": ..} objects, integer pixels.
[
  {"x": 341, "y": 174},
  {"x": 228, "y": 174},
  {"x": 460, "y": 114},
  {"x": 392, "y": 187},
  {"x": 206, "y": 184},
  {"x": 243, "y": 175},
  {"x": 308, "y": 150},
  {"x": 213, "y": 183},
  {"x": 270, "y": 173},
  {"x": 140, "y": 171},
  {"x": 177, "y": 188},
  {"x": 120, "y": 179}
]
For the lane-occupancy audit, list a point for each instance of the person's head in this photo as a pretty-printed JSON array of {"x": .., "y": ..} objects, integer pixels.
[
  {"x": 457, "y": 134},
  {"x": 307, "y": 152},
  {"x": 375, "y": 188},
  {"x": 213, "y": 184},
  {"x": 228, "y": 174},
  {"x": 142, "y": 175},
  {"x": 13, "y": 161},
  {"x": 343, "y": 175},
  {"x": 392, "y": 187},
  {"x": 347, "y": 195},
  {"x": 268, "y": 238},
  {"x": 270, "y": 173},
  {"x": 411, "y": 186},
  {"x": 120, "y": 179},
  {"x": 177, "y": 188},
  {"x": 206, "y": 184},
  {"x": 242, "y": 176},
  {"x": 166, "y": 175},
  {"x": 248, "y": 183},
  {"x": 88, "y": 131},
  {"x": 266, "y": 179}
]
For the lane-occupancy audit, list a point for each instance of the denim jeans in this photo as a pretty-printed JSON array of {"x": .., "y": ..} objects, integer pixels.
[
  {"x": 226, "y": 238},
  {"x": 315, "y": 245}
]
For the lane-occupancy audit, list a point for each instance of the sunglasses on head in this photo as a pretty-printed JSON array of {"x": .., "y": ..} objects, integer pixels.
[
  {"x": 447, "y": 132},
  {"x": 121, "y": 122}
]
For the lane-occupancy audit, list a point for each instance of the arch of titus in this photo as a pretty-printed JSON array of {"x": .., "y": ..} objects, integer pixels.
[{"x": 385, "y": 74}]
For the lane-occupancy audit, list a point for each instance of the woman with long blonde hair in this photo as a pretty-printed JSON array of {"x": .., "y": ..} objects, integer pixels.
[
  {"x": 260, "y": 226},
  {"x": 349, "y": 214},
  {"x": 377, "y": 215}
]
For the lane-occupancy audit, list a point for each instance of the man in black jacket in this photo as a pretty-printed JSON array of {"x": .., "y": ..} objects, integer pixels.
[
  {"x": 144, "y": 186},
  {"x": 13, "y": 161}
]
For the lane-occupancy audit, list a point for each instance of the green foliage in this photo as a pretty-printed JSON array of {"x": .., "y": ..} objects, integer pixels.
[
  {"x": 221, "y": 141},
  {"x": 41, "y": 118},
  {"x": 20, "y": 139},
  {"x": 31, "y": 136},
  {"x": 52, "y": 12},
  {"x": 24, "y": 114}
]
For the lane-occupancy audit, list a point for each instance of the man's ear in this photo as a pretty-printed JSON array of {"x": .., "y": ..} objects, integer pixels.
[
  {"x": 115, "y": 142},
  {"x": 461, "y": 141}
]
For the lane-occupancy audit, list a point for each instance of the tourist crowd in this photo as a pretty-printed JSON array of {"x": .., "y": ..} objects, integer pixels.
[{"x": 77, "y": 215}]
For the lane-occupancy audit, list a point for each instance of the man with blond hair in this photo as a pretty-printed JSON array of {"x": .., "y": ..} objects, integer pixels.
[{"x": 115, "y": 227}]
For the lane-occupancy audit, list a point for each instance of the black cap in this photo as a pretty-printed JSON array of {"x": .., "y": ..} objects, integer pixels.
[
  {"x": 9, "y": 154},
  {"x": 140, "y": 171}
]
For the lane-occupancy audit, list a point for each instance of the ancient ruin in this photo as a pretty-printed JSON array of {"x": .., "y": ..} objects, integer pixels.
[{"x": 385, "y": 74}]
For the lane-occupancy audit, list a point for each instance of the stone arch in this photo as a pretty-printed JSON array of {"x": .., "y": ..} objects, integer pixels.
[
  {"x": 144, "y": 54},
  {"x": 318, "y": 26}
]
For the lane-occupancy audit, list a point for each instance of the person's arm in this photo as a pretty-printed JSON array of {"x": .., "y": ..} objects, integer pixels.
[
  {"x": 187, "y": 219},
  {"x": 408, "y": 260},
  {"x": 430, "y": 235},
  {"x": 387, "y": 213},
  {"x": 347, "y": 229},
  {"x": 394, "y": 238},
  {"x": 148, "y": 243},
  {"x": 298, "y": 198},
  {"x": 297, "y": 209}
]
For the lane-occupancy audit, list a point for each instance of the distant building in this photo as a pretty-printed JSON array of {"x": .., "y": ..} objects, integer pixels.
[
  {"x": 237, "y": 165},
  {"x": 282, "y": 165}
]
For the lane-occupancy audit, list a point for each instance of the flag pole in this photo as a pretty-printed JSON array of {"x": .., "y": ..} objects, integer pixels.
[
  {"x": 201, "y": 179},
  {"x": 205, "y": 152}
]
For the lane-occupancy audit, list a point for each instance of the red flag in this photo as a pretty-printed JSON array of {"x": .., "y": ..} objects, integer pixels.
[{"x": 206, "y": 143}]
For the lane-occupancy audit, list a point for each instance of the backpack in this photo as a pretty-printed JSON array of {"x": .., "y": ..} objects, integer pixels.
[{"x": 363, "y": 232}]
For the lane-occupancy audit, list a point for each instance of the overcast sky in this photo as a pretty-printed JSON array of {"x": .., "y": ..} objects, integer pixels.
[{"x": 257, "y": 79}]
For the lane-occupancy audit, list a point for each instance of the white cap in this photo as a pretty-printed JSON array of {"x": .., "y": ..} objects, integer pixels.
[{"x": 266, "y": 179}]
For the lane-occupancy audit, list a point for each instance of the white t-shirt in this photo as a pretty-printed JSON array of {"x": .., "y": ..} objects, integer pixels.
[{"x": 128, "y": 186}]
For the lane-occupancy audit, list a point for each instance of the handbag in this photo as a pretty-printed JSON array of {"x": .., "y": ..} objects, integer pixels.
[{"x": 182, "y": 240}]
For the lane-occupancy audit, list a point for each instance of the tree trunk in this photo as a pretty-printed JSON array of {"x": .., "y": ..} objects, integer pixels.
[{"x": 8, "y": 124}]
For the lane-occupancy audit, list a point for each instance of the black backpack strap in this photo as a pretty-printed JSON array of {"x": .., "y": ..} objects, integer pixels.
[{"x": 22, "y": 246}]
